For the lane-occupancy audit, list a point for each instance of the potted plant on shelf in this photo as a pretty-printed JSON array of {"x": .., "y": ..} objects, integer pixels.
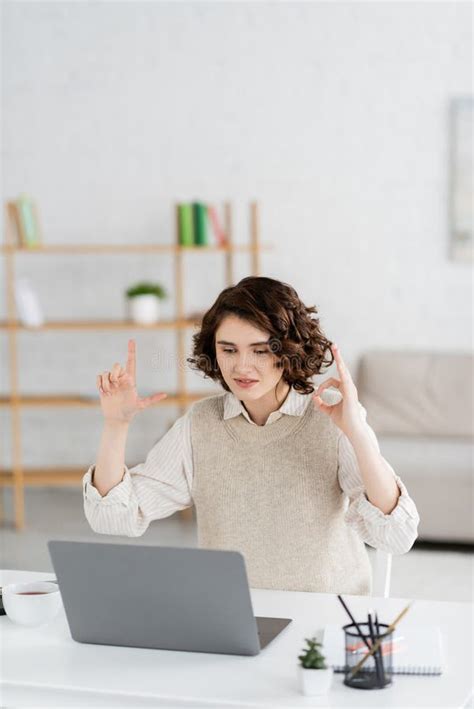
[
  {"x": 314, "y": 675},
  {"x": 144, "y": 302}
]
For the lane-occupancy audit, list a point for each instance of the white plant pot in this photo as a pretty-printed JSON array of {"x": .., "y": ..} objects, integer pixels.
[
  {"x": 313, "y": 682},
  {"x": 144, "y": 309}
]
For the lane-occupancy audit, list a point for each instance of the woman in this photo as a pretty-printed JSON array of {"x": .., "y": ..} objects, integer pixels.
[{"x": 295, "y": 484}]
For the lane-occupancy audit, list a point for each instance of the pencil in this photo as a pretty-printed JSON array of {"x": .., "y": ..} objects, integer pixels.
[
  {"x": 354, "y": 622},
  {"x": 378, "y": 666},
  {"x": 380, "y": 653},
  {"x": 375, "y": 647}
]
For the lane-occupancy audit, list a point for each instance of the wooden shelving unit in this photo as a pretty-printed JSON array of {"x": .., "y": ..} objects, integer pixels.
[
  {"x": 98, "y": 325},
  {"x": 19, "y": 476}
]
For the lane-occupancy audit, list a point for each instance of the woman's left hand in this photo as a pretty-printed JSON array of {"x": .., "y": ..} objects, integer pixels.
[{"x": 346, "y": 414}]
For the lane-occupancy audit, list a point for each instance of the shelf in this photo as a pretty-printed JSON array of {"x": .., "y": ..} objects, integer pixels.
[
  {"x": 87, "y": 401},
  {"x": 45, "y": 476},
  {"x": 102, "y": 325},
  {"x": 129, "y": 248},
  {"x": 181, "y": 320}
]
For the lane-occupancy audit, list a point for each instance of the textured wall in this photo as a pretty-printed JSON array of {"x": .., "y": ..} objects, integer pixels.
[{"x": 333, "y": 115}]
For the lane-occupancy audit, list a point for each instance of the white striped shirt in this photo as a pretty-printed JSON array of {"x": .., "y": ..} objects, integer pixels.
[{"x": 162, "y": 485}]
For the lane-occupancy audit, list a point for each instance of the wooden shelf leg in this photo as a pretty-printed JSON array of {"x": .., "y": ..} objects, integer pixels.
[
  {"x": 229, "y": 263},
  {"x": 19, "y": 503},
  {"x": 179, "y": 314},
  {"x": 187, "y": 514},
  {"x": 18, "y": 476},
  {"x": 17, "y": 468},
  {"x": 255, "y": 238}
]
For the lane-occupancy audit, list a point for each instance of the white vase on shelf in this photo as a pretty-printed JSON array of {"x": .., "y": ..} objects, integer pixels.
[
  {"x": 27, "y": 304},
  {"x": 144, "y": 309}
]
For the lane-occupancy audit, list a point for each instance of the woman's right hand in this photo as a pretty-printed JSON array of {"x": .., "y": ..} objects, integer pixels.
[{"x": 118, "y": 394}]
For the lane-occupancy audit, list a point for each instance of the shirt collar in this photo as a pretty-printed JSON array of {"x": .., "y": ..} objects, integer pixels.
[{"x": 294, "y": 405}]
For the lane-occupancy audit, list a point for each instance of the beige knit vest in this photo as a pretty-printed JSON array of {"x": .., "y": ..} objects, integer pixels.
[{"x": 272, "y": 493}]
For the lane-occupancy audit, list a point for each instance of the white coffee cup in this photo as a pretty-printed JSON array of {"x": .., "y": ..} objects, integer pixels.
[{"x": 32, "y": 603}]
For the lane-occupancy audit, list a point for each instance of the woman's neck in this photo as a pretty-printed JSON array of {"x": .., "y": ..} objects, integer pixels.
[{"x": 260, "y": 410}]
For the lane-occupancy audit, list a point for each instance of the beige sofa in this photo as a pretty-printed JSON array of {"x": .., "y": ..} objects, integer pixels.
[{"x": 421, "y": 407}]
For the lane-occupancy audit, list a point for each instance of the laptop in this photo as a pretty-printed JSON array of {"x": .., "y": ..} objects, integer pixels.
[{"x": 167, "y": 598}]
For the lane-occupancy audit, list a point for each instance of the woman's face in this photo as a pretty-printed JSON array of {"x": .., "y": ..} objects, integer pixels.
[{"x": 243, "y": 353}]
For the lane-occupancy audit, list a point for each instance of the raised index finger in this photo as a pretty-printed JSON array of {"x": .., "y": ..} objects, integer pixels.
[
  {"x": 341, "y": 367},
  {"x": 131, "y": 359}
]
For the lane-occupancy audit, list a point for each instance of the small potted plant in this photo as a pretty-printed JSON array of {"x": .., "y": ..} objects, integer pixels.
[
  {"x": 144, "y": 302},
  {"x": 314, "y": 675}
]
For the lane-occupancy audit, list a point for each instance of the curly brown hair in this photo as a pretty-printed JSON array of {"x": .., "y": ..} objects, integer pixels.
[{"x": 295, "y": 339}]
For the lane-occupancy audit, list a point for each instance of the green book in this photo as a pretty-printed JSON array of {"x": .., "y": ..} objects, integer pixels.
[
  {"x": 186, "y": 225},
  {"x": 28, "y": 224},
  {"x": 200, "y": 224}
]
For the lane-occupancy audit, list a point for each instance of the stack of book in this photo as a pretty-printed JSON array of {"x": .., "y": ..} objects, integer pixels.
[
  {"x": 25, "y": 224},
  {"x": 199, "y": 225}
]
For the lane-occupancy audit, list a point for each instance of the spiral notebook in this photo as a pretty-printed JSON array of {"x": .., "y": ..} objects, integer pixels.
[{"x": 416, "y": 650}]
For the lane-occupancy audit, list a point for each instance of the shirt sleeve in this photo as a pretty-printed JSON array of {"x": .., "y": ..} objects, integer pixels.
[
  {"x": 151, "y": 490},
  {"x": 395, "y": 532}
]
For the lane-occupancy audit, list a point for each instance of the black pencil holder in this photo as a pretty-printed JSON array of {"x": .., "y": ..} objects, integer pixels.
[{"x": 376, "y": 672}]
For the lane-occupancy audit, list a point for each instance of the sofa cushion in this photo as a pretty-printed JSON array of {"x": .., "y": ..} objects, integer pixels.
[
  {"x": 438, "y": 475},
  {"x": 416, "y": 393}
]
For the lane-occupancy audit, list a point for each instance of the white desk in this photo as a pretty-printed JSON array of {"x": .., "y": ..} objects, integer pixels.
[{"x": 45, "y": 667}]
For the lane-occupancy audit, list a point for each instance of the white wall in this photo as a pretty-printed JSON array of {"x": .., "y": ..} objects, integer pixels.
[{"x": 333, "y": 115}]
